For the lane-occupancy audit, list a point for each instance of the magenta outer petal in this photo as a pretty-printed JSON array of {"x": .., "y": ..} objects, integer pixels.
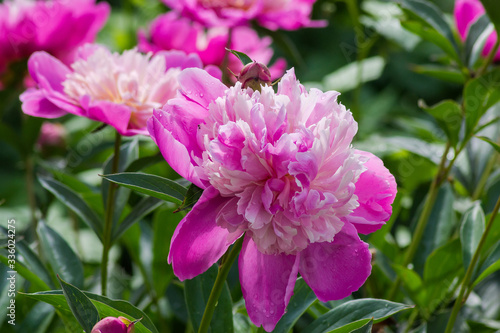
[
  {"x": 198, "y": 242},
  {"x": 37, "y": 105},
  {"x": 267, "y": 283},
  {"x": 116, "y": 115},
  {"x": 335, "y": 270},
  {"x": 376, "y": 189},
  {"x": 48, "y": 72},
  {"x": 175, "y": 150},
  {"x": 199, "y": 86}
]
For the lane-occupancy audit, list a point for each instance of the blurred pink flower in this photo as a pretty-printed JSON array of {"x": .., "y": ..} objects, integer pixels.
[
  {"x": 279, "y": 169},
  {"x": 272, "y": 14},
  {"x": 114, "y": 325},
  {"x": 55, "y": 26},
  {"x": 120, "y": 90},
  {"x": 51, "y": 134},
  {"x": 171, "y": 32},
  {"x": 466, "y": 13}
]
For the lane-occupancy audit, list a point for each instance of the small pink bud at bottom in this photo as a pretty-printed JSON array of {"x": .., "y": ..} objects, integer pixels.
[{"x": 254, "y": 75}]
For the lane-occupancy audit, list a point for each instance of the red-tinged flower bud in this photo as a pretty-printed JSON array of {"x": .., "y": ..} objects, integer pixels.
[
  {"x": 114, "y": 325},
  {"x": 254, "y": 75}
]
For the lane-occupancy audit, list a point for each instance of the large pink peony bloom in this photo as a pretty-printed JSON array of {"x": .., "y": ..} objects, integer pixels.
[
  {"x": 279, "y": 170},
  {"x": 171, "y": 32},
  {"x": 55, "y": 26},
  {"x": 272, "y": 14},
  {"x": 466, "y": 13},
  {"x": 117, "y": 89}
]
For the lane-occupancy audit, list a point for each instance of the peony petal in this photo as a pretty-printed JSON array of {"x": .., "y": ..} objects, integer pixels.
[
  {"x": 267, "y": 283},
  {"x": 200, "y": 87},
  {"x": 376, "y": 189},
  {"x": 37, "y": 105},
  {"x": 48, "y": 72},
  {"x": 335, "y": 270},
  {"x": 198, "y": 242},
  {"x": 116, "y": 115}
]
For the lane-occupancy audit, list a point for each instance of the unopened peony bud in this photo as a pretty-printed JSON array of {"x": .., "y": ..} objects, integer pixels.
[
  {"x": 254, "y": 75},
  {"x": 114, "y": 325}
]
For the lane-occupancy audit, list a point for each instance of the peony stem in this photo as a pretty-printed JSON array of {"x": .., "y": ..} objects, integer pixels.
[
  {"x": 424, "y": 216},
  {"x": 225, "y": 62},
  {"x": 219, "y": 284},
  {"x": 468, "y": 275},
  {"x": 108, "y": 222}
]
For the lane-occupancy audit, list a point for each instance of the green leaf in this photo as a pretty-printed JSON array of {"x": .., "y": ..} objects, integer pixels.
[
  {"x": 193, "y": 194},
  {"x": 155, "y": 186},
  {"x": 144, "y": 162},
  {"x": 413, "y": 285},
  {"x": 479, "y": 95},
  {"x": 351, "y": 327},
  {"x": 241, "y": 57},
  {"x": 449, "y": 74},
  {"x": 367, "y": 328},
  {"x": 197, "y": 291},
  {"x": 63, "y": 260},
  {"x": 81, "y": 306},
  {"x": 301, "y": 300},
  {"x": 105, "y": 306},
  {"x": 478, "y": 33},
  {"x": 26, "y": 273},
  {"x": 495, "y": 145},
  {"x": 431, "y": 35},
  {"x": 351, "y": 311},
  {"x": 433, "y": 16},
  {"x": 75, "y": 202},
  {"x": 472, "y": 228},
  {"x": 346, "y": 78},
  {"x": 38, "y": 319},
  {"x": 129, "y": 152},
  {"x": 441, "y": 268},
  {"x": 30, "y": 132},
  {"x": 143, "y": 208},
  {"x": 438, "y": 231},
  {"x": 491, "y": 7},
  {"x": 449, "y": 117},
  {"x": 490, "y": 265}
]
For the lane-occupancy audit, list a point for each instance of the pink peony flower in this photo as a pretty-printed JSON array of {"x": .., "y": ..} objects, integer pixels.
[
  {"x": 279, "y": 170},
  {"x": 51, "y": 134},
  {"x": 466, "y": 13},
  {"x": 117, "y": 89},
  {"x": 171, "y": 32},
  {"x": 27, "y": 26},
  {"x": 272, "y": 14},
  {"x": 114, "y": 325}
]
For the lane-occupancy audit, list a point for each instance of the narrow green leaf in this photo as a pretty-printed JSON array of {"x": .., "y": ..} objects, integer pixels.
[
  {"x": 193, "y": 194},
  {"x": 197, "y": 291},
  {"x": 472, "y": 228},
  {"x": 491, "y": 7},
  {"x": 144, "y": 162},
  {"x": 441, "y": 269},
  {"x": 490, "y": 265},
  {"x": 355, "y": 310},
  {"x": 413, "y": 285},
  {"x": 38, "y": 319},
  {"x": 155, "y": 186},
  {"x": 367, "y": 328},
  {"x": 301, "y": 300},
  {"x": 449, "y": 117},
  {"x": 143, "y": 208},
  {"x": 61, "y": 256},
  {"x": 26, "y": 273},
  {"x": 105, "y": 306},
  {"x": 81, "y": 306},
  {"x": 495, "y": 145},
  {"x": 245, "y": 60},
  {"x": 449, "y": 74},
  {"x": 75, "y": 202},
  {"x": 478, "y": 33}
]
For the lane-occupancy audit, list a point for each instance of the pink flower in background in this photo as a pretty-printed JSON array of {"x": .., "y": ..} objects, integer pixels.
[
  {"x": 272, "y": 14},
  {"x": 171, "y": 32},
  {"x": 57, "y": 27},
  {"x": 466, "y": 13},
  {"x": 117, "y": 89},
  {"x": 51, "y": 134},
  {"x": 279, "y": 169}
]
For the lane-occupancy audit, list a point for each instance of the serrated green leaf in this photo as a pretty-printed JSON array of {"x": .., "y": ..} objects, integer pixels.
[
  {"x": 197, "y": 291},
  {"x": 155, "y": 186},
  {"x": 75, "y": 202},
  {"x": 80, "y": 305},
  {"x": 472, "y": 228},
  {"x": 356, "y": 310},
  {"x": 301, "y": 300},
  {"x": 61, "y": 257}
]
